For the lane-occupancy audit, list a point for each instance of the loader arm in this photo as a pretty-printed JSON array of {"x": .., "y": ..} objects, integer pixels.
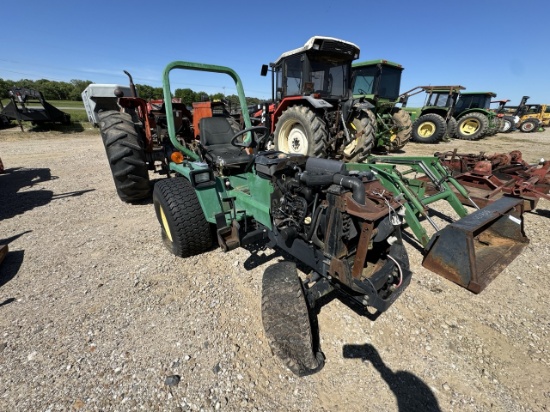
[{"x": 471, "y": 251}]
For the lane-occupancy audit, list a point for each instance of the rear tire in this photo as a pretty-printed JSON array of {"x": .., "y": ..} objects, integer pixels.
[
  {"x": 126, "y": 155},
  {"x": 184, "y": 228},
  {"x": 360, "y": 148},
  {"x": 529, "y": 125},
  {"x": 402, "y": 121},
  {"x": 499, "y": 121},
  {"x": 299, "y": 130},
  {"x": 472, "y": 126},
  {"x": 429, "y": 128},
  {"x": 287, "y": 320},
  {"x": 452, "y": 126}
]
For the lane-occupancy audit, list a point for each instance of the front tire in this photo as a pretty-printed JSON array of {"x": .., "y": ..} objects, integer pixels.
[
  {"x": 126, "y": 154},
  {"x": 403, "y": 124},
  {"x": 429, "y": 128},
  {"x": 361, "y": 146},
  {"x": 184, "y": 228},
  {"x": 300, "y": 131},
  {"x": 472, "y": 126},
  {"x": 287, "y": 320},
  {"x": 507, "y": 124}
]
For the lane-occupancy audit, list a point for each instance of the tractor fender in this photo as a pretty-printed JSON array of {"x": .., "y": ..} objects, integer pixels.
[
  {"x": 434, "y": 110},
  {"x": 487, "y": 113},
  {"x": 363, "y": 105},
  {"x": 295, "y": 100},
  {"x": 207, "y": 192}
]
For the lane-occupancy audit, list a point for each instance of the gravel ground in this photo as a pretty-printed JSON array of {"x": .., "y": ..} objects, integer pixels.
[{"x": 96, "y": 314}]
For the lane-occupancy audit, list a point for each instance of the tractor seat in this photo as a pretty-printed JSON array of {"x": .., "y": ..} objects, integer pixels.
[{"x": 215, "y": 137}]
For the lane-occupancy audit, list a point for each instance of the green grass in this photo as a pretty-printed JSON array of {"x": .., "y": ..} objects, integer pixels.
[{"x": 66, "y": 103}]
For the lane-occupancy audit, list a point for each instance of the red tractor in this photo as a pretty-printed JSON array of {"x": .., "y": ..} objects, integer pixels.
[
  {"x": 314, "y": 112},
  {"x": 136, "y": 137}
]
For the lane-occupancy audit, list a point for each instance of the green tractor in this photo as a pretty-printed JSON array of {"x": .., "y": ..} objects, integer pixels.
[
  {"x": 433, "y": 121},
  {"x": 339, "y": 225},
  {"x": 475, "y": 117},
  {"x": 378, "y": 82}
]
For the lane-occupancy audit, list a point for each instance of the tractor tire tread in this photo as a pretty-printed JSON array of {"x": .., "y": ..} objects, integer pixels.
[
  {"x": 365, "y": 126},
  {"x": 126, "y": 155},
  {"x": 287, "y": 319},
  {"x": 401, "y": 119},
  {"x": 478, "y": 134},
  {"x": 191, "y": 234},
  {"x": 318, "y": 141},
  {"x": 437, "y": 135}
]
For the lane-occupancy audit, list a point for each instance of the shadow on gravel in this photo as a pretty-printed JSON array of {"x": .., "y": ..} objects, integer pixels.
[
  {"x": 542, "y": 212},
  {"x": 15, "y": 179},
  {"x": 411, "y": 392},
  {"x": 75, "y": 127},
  {"x": 9, "y": 268},
  {"x": 11, "y": 263},
  {"x": 14, "y": 202},
  {"x": 409, "y": 237},
  {"x": 260, "y": 254},
  {"x": 442, "y": 216}
]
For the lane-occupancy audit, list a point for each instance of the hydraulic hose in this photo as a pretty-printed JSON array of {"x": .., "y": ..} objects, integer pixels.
[
  {"x": 354, "y": 184},
  {"x": 349, "y": 182}
]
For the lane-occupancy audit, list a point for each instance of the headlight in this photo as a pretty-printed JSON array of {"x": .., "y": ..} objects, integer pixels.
[{"x": 202, "y": 178}]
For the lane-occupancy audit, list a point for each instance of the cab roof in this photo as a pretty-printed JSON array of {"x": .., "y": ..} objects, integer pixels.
[
  {"x": 327, "y": 44},
  {"x": 375, "y": 62},
  {"x": 484, "y": 93}
]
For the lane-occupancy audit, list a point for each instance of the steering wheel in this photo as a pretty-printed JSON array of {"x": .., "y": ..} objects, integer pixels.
[{"x": 253, "y": 130}]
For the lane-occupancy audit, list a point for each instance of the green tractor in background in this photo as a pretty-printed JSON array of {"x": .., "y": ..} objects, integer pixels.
[
  {"x": 378, "y": 82},
  {"x": 433, "y": 121},
  {"x": 475, "y": 117}
]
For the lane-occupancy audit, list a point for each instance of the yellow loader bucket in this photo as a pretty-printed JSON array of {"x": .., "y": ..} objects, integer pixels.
[{"x": 475, "y": 249}]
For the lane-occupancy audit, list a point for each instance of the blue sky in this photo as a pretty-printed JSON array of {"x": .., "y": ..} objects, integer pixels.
[{"x": 484, "y": 45}]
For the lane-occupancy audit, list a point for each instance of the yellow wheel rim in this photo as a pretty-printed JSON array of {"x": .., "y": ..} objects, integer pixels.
[
  {"x": 165, "y": 224},
  {"x": 426, "y": 129},
  {"x": 469, "y": 127}
]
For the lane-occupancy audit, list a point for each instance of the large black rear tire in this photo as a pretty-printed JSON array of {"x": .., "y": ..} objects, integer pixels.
[
  {"x": 287, "y": 320},
  {"x": 428, "y": 128},
  {"x": 126, "y": 154},
  {"x": 472, "y": 126},
  {"x": 299, "y": 130},
  {"x": 184, "y": 228}
]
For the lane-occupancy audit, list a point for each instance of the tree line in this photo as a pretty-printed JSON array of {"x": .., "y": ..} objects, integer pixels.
[{"x": 54, "y": 90}]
